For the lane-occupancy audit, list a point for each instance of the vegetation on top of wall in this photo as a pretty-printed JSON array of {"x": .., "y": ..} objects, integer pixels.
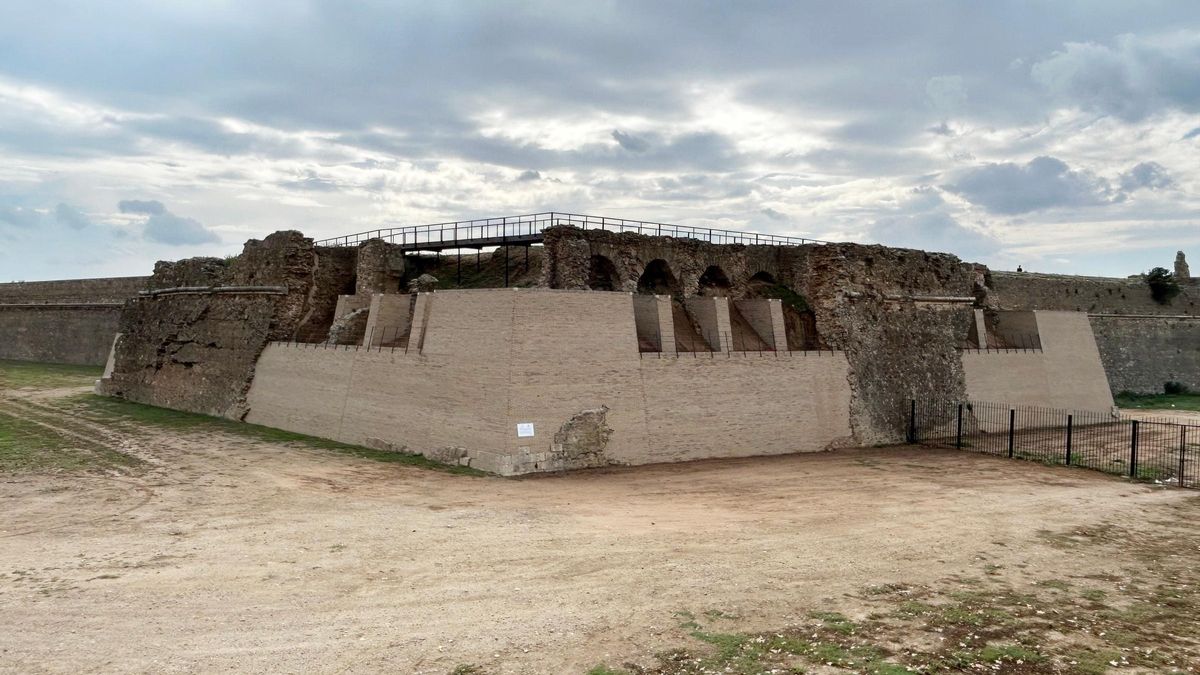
[{"x": 1163, "y": 285}]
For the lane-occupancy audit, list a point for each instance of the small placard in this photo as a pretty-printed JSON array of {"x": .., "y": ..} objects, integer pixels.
[{"x": 524, "y": 429}]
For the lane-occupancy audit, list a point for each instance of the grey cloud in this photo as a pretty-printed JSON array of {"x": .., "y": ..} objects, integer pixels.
[
  {"x": 946, "y": 93},
  {"x": 1131, "y": 79},
  {"x": 168, "y": 228},
  {"x": 151, "y": 207},
  {"x": 1149, "y": 175},
  {"x": 529, "y": 175},
  {"x": 312, "y": 182},
  {"x": 165, "y": 227},
  {"x": 923, "y": 221},
  {"x": 1044, "y": 182},
  {"x": 773, "y": 214},
  {"x": 1191, "y": 134},
  {"x": 19, "y": 216},
  {"x": 71, "y": 217},
  {"x": 630, "y": 142}
]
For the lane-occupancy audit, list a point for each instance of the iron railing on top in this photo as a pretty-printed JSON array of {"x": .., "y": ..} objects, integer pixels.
[{"x": 528, "y": 229}]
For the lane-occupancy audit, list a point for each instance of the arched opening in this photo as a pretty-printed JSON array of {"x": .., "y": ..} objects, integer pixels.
[
  {"x": 714, "y": 281},
  {"x": 658, "y": 279},
  {"x": 762, "y": 279},
  {"x": 602, "y": 274}
]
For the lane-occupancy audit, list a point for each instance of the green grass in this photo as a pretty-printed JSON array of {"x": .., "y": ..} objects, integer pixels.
[
  {"x": 130, "y": 415},
  {"x": 1158, "y": 401},
  {"x": 26, "y": 446},
  {"x": 23, "y": 374}
]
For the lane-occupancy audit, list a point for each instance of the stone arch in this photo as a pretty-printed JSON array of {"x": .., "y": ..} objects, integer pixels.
[
  {"x": 763, "y": 277},
  {"x": 714, "y": 281},
  {"x": 658, "y": 279},
  {"x": 602, "y": 274}
]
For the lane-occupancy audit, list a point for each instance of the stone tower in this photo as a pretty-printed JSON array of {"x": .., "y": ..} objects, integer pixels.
[{"x": 1182, "y": 272}]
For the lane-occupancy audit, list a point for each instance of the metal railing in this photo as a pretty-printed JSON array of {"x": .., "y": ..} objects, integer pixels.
[
  {"x": 1161, "y": 450},
  {"x": 1009, "y": 342},
  {"x": 528, "y": 228}
]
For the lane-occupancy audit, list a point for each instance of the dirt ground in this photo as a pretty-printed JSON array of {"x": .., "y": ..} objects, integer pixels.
[{"x": 224, "y": 553}]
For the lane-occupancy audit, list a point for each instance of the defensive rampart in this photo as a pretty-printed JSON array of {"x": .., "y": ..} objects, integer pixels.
[
  {"x": 1143, "y": 353},
  {"x": 563, "y": 367},
  {"x": 71, "y": 321}
]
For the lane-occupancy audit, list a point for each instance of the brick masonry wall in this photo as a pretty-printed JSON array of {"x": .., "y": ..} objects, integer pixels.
[
  {"x": 1140, "y": 355},
  {"x": 1067, "y": 373},
  {"x": 495, "y": 359}
]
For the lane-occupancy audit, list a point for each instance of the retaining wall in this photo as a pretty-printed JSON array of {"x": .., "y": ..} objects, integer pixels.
[
  {"x": 499, "y": 358},
  {"x": 1141, "y": 354},
  {"x": 1066, "y": 373},
  {"x": 69, "y": 321}
]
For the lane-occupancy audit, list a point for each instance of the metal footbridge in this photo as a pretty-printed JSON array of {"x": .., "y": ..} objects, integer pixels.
[{"x": 527, "y": 230}]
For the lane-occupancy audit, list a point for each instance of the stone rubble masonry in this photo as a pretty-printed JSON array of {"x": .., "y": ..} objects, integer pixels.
[
  {"x": 896, "y": 349},
  {"x": 197, "y": 352},
  {"x": 565, "y": 362}
]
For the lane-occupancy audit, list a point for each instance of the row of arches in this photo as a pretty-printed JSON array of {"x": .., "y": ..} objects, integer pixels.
[{"x": 658, "y": 279}]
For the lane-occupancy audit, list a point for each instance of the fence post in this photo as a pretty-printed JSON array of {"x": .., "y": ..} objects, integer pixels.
[
  {"x": 912, "y": 422},
  {"x": 1133, "y": 439},
  {"x": 958, "y": 437},
  {"x": 1012, "y": 425},
  {"x": 1069, "y": 425},
  {"x": 1182, "y": 453}
]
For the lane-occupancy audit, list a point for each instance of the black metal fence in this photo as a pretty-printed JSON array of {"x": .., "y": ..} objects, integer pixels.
[{"x": 1165, "y": 451}]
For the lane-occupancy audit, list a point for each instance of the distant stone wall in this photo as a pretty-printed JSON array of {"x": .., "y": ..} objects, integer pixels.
[
  {"x": 70, "y": 321},
  {"x": 114, "y": 289},
  {"x": 1023, "y": 290},
  {"x": 1142, "y": 354},
  {"x": 77, "y": 334}
]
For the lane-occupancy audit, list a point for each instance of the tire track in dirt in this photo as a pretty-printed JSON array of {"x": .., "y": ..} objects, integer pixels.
[{"x": 89, "y": 435}]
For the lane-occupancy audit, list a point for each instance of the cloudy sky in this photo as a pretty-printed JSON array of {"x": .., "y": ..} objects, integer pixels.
[{"x": 1061, "y": 136}]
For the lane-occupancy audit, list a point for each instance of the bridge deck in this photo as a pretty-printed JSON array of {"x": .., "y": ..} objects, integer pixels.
[{"x": 527, "y": 229}]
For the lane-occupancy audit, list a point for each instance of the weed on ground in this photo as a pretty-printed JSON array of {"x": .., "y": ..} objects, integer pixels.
[
  {"x": 133, "y": 418},
  {"x": 1145, "y": 619}
]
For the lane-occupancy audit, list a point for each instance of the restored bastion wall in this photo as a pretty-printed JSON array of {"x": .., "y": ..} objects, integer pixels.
[
  {"x": 872, "y": 302},
  {"x": 70, "y": 321},
  {"x": 1065, "y": 373},
  {"x": 566, "y": 362}
]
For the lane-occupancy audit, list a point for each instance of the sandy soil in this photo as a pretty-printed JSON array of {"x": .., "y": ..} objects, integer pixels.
[{"x": 227, "y": 554}]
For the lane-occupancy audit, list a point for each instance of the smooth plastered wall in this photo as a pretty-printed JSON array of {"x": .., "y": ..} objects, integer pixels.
[
  {"x": 1066, "y": 373},
  {"x": 498, "y": 358}
]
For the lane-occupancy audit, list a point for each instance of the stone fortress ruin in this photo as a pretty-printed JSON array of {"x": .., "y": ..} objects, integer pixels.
[{"x": 581, "y": 342}]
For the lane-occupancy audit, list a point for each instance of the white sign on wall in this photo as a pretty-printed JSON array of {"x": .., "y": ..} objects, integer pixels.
[{"x": 524, "y": 429}]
